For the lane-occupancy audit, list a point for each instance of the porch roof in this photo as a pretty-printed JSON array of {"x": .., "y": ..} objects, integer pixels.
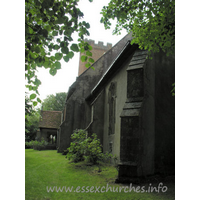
[{"x": 50, "y": 119}]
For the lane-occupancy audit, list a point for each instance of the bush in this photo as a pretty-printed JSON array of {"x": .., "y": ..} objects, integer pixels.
[
  {"x": 76, "y": 149},
  {"x": 65, "y": 152},
  {"x": 93, "y": 152},
  {"x": 86, "y": 148},
  {"x": 34, "y": 144},
  {"x": 27, "y": 146}
]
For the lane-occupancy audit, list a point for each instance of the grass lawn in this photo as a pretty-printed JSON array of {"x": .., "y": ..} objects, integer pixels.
[{"x": 45, "y": 169}]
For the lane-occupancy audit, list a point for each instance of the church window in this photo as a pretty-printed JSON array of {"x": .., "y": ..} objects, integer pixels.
[{"x": 112, "y": 106}]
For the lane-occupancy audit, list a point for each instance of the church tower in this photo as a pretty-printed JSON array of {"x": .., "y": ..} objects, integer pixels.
[{"x": 97, "y": 51}]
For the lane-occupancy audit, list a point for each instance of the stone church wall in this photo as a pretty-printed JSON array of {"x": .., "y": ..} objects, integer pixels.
[
  {"x": 130, "y": 108},
  {"x": 78, "y": 112},
  {"x": 112, "y": 141}
]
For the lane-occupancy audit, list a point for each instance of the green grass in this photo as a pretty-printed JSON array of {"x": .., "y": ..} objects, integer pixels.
[{"x": 47, "y": 169}]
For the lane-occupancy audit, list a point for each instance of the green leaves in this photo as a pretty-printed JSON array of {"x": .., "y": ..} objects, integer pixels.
[
  {"x": 87, "y": 65},
  {"x": 66, "y": 58},
  {"x": 74, "y": 47},
  {"x": 84, "y": 58},
  {"x": 39, "y": 100},
  {"x": 91, "y": 60},
  {"x": 52, "y": 58},
  {"x": 53, "y": 71},
  {"x": 58, "y": 56},
  {"x": 32, "y": 96},
  {"x": 54, "y": 68},
  {"x": 70, "y": 54},
  {"x": 152, "y": 23},
  {"x": 88, "y": 53},
  {"x": 48, "y": 28},
  {"x": 168, "y": 44},
  {"x": 56, "y": 47},
  {"x": 65, "y": 50},
  {"x": 35, "y": 103},
  {"x": 86, "y": 148},
  {"x": 60, "y": 20},
  {"x": 37, "y": 49},
  {"x": 48, "y": 36},
  {"x": 55, "y": 102},
  {"x": 87, "y": 25},
  {"x": 57, "y": 65},
  {"x": 55, "y": 33}
]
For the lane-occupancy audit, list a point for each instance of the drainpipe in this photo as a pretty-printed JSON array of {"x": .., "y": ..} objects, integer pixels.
[
  {"x": 92, "y": 118},
  {"x": 92, "y": 111}
]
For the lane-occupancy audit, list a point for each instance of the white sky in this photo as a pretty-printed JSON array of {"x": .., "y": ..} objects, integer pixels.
[{"x": 69, "y": 71}]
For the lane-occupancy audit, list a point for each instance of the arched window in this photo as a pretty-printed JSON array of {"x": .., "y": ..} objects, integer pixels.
[{"x": 112, "y": 105}]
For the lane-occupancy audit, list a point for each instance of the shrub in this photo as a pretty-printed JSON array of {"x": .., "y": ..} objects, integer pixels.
[
  {"x": 43, "y": 143},
  {"x": 93, "y": 151},
  {"x": 27, "y": 146},
  {"x": 65, "y": 152},
  {"x": 86, "y": 148},
  {"x": 76, "y": 149},
  {"x": 36, "y": 144}
]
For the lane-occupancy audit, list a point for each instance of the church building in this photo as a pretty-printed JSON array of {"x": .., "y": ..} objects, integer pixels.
[{"x": 126, "y": 100}]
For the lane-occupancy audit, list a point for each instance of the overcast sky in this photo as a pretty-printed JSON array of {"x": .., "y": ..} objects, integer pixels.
[{"x": 69, "y": 71}]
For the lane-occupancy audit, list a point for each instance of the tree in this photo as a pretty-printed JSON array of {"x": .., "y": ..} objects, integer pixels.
[
  {"x": 49, "y": 25},
  {"x": 55, "y": 102},
  {"x": 28, "y": 107},
  {"x": 152, "y": 22},
  {"x": 32, "y": 125},
  {"x": 32, "y": 117}
]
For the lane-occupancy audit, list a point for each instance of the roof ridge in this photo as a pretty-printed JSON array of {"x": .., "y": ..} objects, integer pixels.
[{"x": 107, "y": 52}]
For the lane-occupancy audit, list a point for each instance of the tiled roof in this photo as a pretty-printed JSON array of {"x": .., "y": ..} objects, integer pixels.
[{"x": 50, "y": 119}]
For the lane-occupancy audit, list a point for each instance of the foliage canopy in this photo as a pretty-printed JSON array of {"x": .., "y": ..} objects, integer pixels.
[
  {"x": 152, "y": 22},
  {"x": 32, "y": 117},
  {"x": 49, "y": 25},
  {"x": 54, "y": 102}
]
